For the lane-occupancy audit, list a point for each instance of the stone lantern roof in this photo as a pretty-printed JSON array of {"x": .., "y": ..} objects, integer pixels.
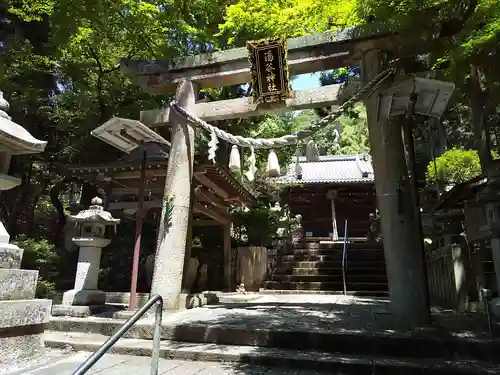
[
  {"x": 15, "y": 139},
  {"x": 94, "y": 214}
]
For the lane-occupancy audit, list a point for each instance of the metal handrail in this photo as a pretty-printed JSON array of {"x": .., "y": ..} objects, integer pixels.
[
  {"x": 344, "y": 257},
  {"x": 155, "y": 354}
]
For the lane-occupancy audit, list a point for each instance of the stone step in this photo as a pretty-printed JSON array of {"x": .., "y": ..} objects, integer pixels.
[
  {"x": 358, "y": 293},
  {"x": 328, "y": 278},
  {"x": 28, "y": 312},
  {"x": 17, "y": 284},
  {"x": 326, "y": 285},
  {"x": 336, "y": 245},
  {"x": 331, "y": 257},
  {"x": 10, "y": 256},
  {"x": 305, "y": 278},
  {"x": 321, "y": 251},
  {"x": 21, "y": 327},
  {"x": 334, "y": 363},
  {"x": 353, "y": 266},
  {"x": 318, "y": 271}
]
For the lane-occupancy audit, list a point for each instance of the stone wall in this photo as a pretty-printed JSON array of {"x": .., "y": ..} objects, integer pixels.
[
  {"x": 249, "y": 266},
  {"x": 209, "y": 272},
  {"x": 451, "y": 279}
]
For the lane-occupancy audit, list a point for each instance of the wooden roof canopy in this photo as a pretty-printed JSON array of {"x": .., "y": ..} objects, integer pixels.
[
  {"x": 214, "y": 177},
  {"x": 215, "y": 189}
]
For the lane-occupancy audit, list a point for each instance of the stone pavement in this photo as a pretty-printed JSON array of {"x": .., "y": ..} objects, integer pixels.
[
  {"x": 113, "y": 364},
  {"x": 319, "y": 313}
]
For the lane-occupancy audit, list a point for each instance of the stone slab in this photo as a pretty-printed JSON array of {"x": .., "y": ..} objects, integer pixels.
[
  {"x": 126, "y": 364},
  {"x": 17, "y": 349},
  {"x": 255, "y": 360},
  {"x": 186, "y": 301},
  {"x": 84, "y": 297},
  {"x": 44, "y": 357},
  {"x": 10, "y": 256},
  {"x": 24, "y": 312},
  {"x": 77, "y": 311},
  {"x": 123, "y": 298},
  {"x": 17, "y": 284}
]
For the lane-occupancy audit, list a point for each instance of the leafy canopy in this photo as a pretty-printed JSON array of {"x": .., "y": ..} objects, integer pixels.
[
  {"x": 454, "y": 167},
  {"x": 248, "y": 19}
]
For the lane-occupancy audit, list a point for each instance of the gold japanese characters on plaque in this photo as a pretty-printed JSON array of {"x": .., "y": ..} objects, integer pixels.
[{"x": 269, "y": 70}]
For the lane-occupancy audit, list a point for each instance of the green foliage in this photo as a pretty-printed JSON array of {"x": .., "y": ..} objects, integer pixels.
[
  {"x": 353, "y": 134},
  {"x": 39, "y": 254},
  {"x": 249, "y": 19},
  {"x": 45, "y": 289},
  {"x": 454, "y": 167},
  {"x": 258, "y": 223}
]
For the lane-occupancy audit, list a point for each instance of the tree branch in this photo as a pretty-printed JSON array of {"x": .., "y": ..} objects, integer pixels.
[{"x": 455, "y": 25}]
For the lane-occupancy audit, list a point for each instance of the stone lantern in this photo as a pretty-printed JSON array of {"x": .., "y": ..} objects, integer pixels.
[
  {"x": 93, "y": 236},
  {"x": 18, "y": 307}
]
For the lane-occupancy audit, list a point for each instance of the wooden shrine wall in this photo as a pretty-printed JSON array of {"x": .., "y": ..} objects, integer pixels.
[{"x": 354, "y": 203}]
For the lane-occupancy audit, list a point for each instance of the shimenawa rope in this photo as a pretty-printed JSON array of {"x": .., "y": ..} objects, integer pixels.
[{"x": 299, "y": 136}]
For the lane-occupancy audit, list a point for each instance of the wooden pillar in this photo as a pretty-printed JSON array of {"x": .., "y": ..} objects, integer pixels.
[
  {"x": 404, "y": 259},
  {"x": 227, "y": 258},
  {"x": 331, "y": 195},
  {"x": 170, "y": 252}
]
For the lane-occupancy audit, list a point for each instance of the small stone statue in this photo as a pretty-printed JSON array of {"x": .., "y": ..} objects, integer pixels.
[
  {"x": 276, "y": 207},
  {"x": 374, "y": 233},
  {"x": 241, "y": 289},
  {"x": 296, "y": 229}
]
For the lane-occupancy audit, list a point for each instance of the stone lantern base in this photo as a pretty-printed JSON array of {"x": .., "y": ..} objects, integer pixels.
[
  {"x": 22, "y": 317},
  {"x": 80, "y": 303},
  {"x": 84, "y": 297}
]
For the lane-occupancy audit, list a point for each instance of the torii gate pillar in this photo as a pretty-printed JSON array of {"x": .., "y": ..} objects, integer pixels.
[
  {"x": 171, "y": 247},
  {"x": 403, "y": 255}
]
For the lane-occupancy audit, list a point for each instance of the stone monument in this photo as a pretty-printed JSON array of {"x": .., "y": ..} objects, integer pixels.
[
  {"x": 22, "y": 317},
  {"x": 92, "y": 238}
]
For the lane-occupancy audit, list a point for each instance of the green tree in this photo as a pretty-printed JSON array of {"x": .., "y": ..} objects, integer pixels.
[
  {"x": 454, "y": 167},
  {"x": 249, "y": 19}
]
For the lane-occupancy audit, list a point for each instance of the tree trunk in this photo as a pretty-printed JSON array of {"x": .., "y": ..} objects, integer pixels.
[
  {"x": 478, "y": 99},
  {"x": 169, "y": 260}
]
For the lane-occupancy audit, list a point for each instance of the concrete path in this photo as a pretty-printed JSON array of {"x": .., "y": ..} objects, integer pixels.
[{"x": 113, "y": 364}]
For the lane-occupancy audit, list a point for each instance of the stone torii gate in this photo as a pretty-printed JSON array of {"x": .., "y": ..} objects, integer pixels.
[{"x": 318, "y": 52}]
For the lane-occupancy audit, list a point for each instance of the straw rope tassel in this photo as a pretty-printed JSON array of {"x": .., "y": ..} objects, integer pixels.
[
  {"x": 273, "y": 166},
  {"x": 252, "y": 168},
  {"x": 298, "y": 167},
  {"x": 234, "y": 159},
  {"x": 312, "y": 153},
  {"x": 212, "y": 146}
]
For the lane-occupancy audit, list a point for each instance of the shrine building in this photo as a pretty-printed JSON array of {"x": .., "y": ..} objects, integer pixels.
[{"x": 330, "y": 191}]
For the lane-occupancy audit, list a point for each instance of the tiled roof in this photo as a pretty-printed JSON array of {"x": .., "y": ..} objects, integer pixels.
[{"x": 343, "y": 169}]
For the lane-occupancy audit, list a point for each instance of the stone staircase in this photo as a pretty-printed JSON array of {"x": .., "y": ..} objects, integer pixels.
[
  {"x": 341, "y": 335},
  {"x": 315, "y": 266},
  {"x": 22, "y": 318}
]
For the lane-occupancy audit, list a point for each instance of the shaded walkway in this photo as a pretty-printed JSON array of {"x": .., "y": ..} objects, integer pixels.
[{"x": 320, "y": 313}]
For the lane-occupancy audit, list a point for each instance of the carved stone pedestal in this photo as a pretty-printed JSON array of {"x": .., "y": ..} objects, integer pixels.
[{"x": 85, "y": 291}]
